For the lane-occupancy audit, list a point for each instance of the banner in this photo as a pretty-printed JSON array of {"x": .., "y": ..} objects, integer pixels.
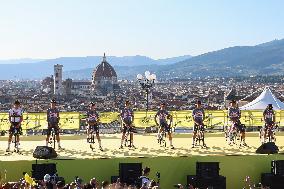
[
  {"x": 68, "y": 120},
  {"x": 72, "y": 120},
  {"x": 143, "y": 119}
]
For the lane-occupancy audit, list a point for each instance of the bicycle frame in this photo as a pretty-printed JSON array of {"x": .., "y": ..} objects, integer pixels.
[
  {"x": 52, "y": 140},
  {"x": 92, "y": 138},
  {"x": 162, "y": 138},
  {"x": 231, "y": 134},
  {"x": 199, "y": 135},
  {"x": 126, "y": 136},
  {"x": 16, "y": 134},
  {"x": 270, "y": 133}
]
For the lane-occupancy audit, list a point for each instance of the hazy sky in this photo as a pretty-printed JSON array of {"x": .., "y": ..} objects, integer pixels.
[{"x": 155, "y": 28}]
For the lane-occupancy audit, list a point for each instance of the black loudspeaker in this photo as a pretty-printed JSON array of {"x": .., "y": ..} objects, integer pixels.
[
  {"x": 129, "y": 173},
  {"x": 272, "y": 181},
  {"x": 44, "y": 152},
  {"x": 207, "y": 169},
  {"x": 268, "y": 148},
  {"x": 204, "y": 183},
  {"x": 277, "y": 167},
  {"x": 39, "y": 170}
]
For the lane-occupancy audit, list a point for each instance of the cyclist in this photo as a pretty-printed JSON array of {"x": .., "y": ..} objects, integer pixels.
[
  {"x": 15, "y": 118},
  {"x": 269, "y": 119},
  {"x": 53, "y": 122},
  {"x": 127, "y": 117},
  {"x": 93, "y": 123},
  {"x": 163, "y": 115},
  {"x": 198, "y": 115},
  {"x": 234, "y": 114}
]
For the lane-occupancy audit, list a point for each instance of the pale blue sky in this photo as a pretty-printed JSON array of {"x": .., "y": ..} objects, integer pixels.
[{"x": 155, "y": 28}]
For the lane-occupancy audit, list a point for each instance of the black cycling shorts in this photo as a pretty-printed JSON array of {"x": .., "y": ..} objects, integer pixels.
[
  {"x": 13, "y": 130},
  {"x": 165, "y": 126},
  {"x": 127, "y": 129},
  {"x": 53, "y": 126},
  {"x": 240, "y": 127},
  {"x": 198, "y": 127},
  {"x": 127, "y": 122},
  {"x": 94, "y": 128},
  {"x": 267, "y": 125}
]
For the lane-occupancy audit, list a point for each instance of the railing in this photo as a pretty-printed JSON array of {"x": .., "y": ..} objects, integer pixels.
[
  {"x": 70, "y": 120},
  {"x": 73, "y": 120}
]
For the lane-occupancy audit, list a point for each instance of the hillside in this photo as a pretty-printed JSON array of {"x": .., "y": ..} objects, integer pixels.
[{"x": 266, "y": 58}]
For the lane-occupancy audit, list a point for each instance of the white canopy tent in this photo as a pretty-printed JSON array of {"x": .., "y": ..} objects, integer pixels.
[{"x": 261, "y": 102}]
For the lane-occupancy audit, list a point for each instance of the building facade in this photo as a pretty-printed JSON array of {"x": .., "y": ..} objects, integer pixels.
[{"x": 58, "y": 85}]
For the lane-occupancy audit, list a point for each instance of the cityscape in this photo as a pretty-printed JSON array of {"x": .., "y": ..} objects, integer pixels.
[
  {"x": 145, "y": 94},
  {"x": 110, "y": 92}
]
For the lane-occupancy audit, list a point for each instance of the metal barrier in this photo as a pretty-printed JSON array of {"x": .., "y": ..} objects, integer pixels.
[
  {"x": 73, "y": 120},
  {"x": 35, "y": 121}
]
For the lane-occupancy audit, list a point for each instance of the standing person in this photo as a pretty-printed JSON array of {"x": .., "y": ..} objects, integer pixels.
[
  {"x": 234, "y": 114},
  {"x": 53, "y": 122},
  {"x": 127, "y": 118},
  {"x": 15, "y": 118},
  {"x": 269, "y": 119},
  {"x": 198, "y": 115},
  {"x": 163, "y": 115},
  {"x": 93, "y": 123}
]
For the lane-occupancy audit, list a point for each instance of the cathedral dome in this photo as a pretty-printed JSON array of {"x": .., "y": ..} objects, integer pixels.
[{"x": 104, "y": 70}]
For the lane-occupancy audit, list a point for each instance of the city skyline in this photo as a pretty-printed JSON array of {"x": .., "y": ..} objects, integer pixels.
[{"x": 160, "y": 29}]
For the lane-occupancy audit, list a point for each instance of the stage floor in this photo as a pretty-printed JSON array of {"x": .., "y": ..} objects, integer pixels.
[{"x": 76, "y": 147}]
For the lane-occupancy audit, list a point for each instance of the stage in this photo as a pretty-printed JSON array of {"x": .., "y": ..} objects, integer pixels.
[
  {"x": 76, "y": 147},
  {"x": 174, "y": 165}
]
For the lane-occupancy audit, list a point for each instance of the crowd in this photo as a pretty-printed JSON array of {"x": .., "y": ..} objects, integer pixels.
[
  {"x": 54, "y": 182},
  {"x": 49, "y": 182},
  {"x": 93, "y": 184}
]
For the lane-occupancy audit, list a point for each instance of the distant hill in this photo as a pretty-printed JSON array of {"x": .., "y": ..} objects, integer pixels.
[
  {"x": 262, "y": 59},
  {"x": 172, "y": 60},
  {"x": 123, "y": 72},
  {"x": 266, "y": 58},
  {"x": 19, "y": 61},
  {"x": 36, "y": 69}
]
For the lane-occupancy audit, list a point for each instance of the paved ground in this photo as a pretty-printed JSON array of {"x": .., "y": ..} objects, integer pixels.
[{"x": 76, "y": 147}]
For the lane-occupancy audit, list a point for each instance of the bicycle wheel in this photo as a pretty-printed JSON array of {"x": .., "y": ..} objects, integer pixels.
[
  {"x": 53, "y": 139},
  {"x": 93, "y": 138},
  {"x": 165, "y": 137},
  {"x": 261, "y": 135},
  {"x": 202, "y": 136},
  {"x": 160, "y": 139},
  {"x": 126, "y": 139}
]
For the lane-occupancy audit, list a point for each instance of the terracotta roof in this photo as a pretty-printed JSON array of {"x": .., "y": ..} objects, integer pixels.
[{"x": 104, "y": 69}]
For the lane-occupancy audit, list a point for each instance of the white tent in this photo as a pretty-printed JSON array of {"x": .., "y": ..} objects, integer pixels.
[{"x": 261, "y": 102}]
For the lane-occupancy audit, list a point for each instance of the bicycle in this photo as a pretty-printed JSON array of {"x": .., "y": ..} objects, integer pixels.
[
  {"x": 91, "y": 140},
  {"x": 16, "y": 135},
  {"x": 270, "y": 133},
  {"x": 200, "y": 136},
  {"x": 162, "y": 138},
  {"x": 166, "y": 128},
  {"x": 129, "y": 131},
  {"x": 52, "y": 139},
  {"x": 128, "y": 142},
  {"x": 231, "y": 135}
]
